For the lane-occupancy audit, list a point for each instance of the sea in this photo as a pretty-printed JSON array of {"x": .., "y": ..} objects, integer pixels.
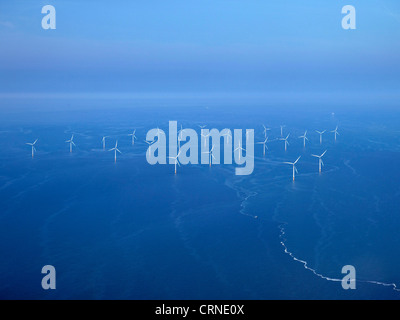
[{"x": 131, "y": 230}]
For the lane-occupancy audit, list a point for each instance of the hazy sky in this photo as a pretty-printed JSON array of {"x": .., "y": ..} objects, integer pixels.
[{"x": 200, "y": 46}]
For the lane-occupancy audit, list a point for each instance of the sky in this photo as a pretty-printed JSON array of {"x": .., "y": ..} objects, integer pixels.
[{"x": 212, "y": 47}]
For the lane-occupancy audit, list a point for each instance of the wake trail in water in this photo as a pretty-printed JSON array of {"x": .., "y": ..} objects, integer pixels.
[{"x": 305, "y": 264}]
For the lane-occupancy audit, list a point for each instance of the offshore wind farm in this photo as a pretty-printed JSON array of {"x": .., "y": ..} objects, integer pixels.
[{"x": 259, "y": 209}]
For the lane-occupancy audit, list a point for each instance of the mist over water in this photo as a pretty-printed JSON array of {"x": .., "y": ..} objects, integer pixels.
[{"x": 129, "y": 230}]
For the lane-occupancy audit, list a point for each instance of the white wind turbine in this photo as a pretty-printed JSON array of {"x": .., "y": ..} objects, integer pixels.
[
  {"x": 264, "y": 143},
  {"x": 336, "y": 132},
  {"x": 33, "y": 147},
  {"x": 205, "y": 138},
  {"x": 294, "y": 167},
  {"x": 304, "y": 137},
  {"x": 104, "y": 142},
  {"x": 176, "y": 159},
  {"x": 211, "y": 154},
  {"x": 265, "y": 131},
  {"x": 320, "y": 135},
  {"x": 180, "y": 134},
  {"x": 286, "y": 141},
  {"x": 133, "y": 136},
  {"x": 115, "y": 149},
  {"x": 201, "y": 127},
  {"x": 71, "y": 143},
  {"x": 240, "y": 149},
  {"x": 150, "y": 143},
  {"x": 228, "y": 135},
  {"x": 320, "y": 162}
]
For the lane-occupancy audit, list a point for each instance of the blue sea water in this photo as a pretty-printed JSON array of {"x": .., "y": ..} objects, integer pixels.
[{"x": 130, "y": 230}]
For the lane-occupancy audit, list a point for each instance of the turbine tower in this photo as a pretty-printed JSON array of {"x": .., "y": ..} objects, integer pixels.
[
  {"x": 265, "y": 130},
  {"x": 33, "y": 147},
  {"x": 150, "y": 143},
  {"x": 115, "y": 149},
  {"x": 227, "y": 135},
  {"x": 211, "y": 154},
  {"x": 104, "y": 142},
  {"x": 336, "y": 132},
  {"x": 320, "y": 135},
  {"x": 240, "y": 149},
  {"x": 294, "y": 167},
  {"x": 286, "y": 141},
  {"x": 205, "y": 138},
  {"x": 176, "y": 159},
  {"x": 304, "y": 137},
  {"x": 320, "y": 162},
  {"x": 71, "y": 143},
  {"x": 180, "y": 134},
  {"x": 264, "y": 143},
  {"x": 133, "y": 136}
]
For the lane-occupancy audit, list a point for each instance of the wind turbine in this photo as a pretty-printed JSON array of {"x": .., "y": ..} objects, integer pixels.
[
  {"x": 104, "y": 142},
  {"x": 320, "y": 162},
  {"x": 264, "y": 143},
  {"x": 33, "y": 147},
  {"x": 211, "y": 154},
  {"x": 286, "y": 141},
  {"x": 336, "y": 132},
  {"x": 265, "y": 131},
  {"x": 304, "y": 137},
  {"x": 133, "y": 136},
  {"x": 150, "y": 144},
  {"x": 282, "y": 126},
  {"x": 294, "y": 167},
  {"x": 205, "y": 138},
  {"x": 228, "y": 135},
  {"x": 180, "y": 134},
  {"x": 240, "y": 149},
  {"x": 115, "y": 149},
  {"x": 320, "y": 135},
  {"x": 71, "y": 143},
  {"x": 202, "y": 127},
  {"x": 176, "y": 159}
]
